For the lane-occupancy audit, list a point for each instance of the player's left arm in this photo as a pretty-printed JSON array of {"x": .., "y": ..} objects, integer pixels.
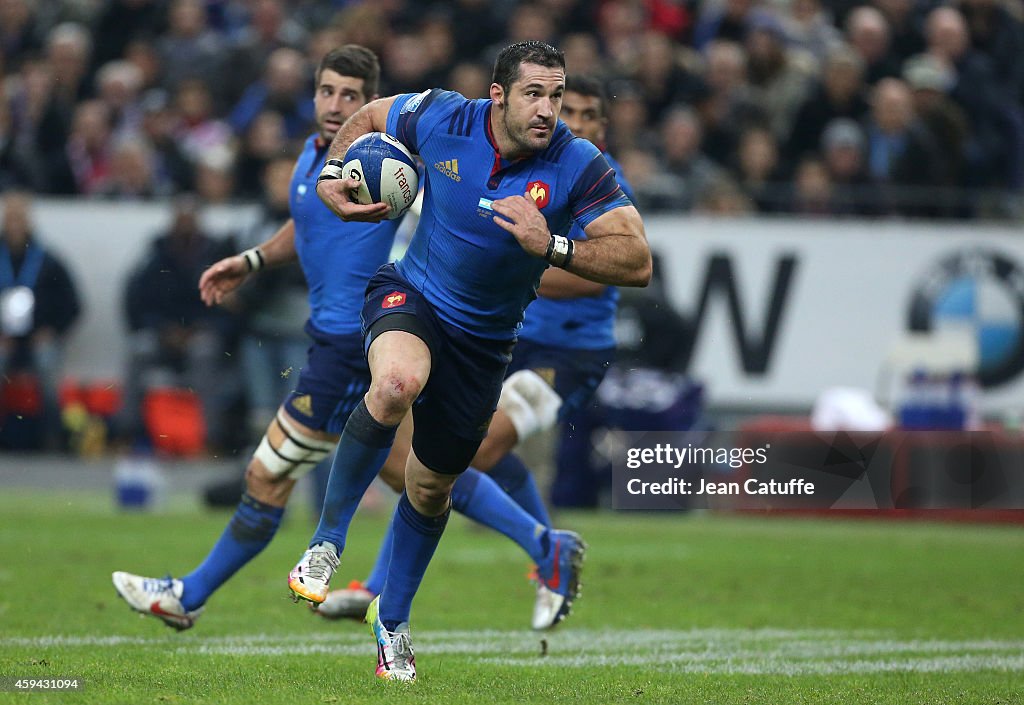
[
  {"x": 560, "y": 284},
  {"x": 615, "y": 251},
  {"x": 336, "y": 192}
]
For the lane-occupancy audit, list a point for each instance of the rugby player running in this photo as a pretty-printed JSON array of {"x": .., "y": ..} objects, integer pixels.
[{"x": 442, "y": 321}]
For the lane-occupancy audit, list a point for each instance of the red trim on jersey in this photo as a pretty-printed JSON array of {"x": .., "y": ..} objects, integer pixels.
[{"x": 496, "y": 166}]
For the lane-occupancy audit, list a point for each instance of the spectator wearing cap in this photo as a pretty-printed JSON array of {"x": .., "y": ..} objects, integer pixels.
[
  {"x": 839, "y": 93},
  {"x": 929, "y": 79},
  {"x": 852, "y": 190}
]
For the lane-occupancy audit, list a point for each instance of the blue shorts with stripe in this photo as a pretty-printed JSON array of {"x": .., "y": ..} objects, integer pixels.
[
  {"x": 331, "y": 385},
  {"x": 574, "y": 374},
  {"x": 455, "y": 408}
]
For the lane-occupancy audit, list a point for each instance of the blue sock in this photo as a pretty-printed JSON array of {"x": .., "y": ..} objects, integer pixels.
[
  {"x": 416, "y": 538},
  {"x": 515, "y": 478},
  {"x": 375, "y": 581},
  {"x": 478, "y": 497},
  {"x": 248, "y": 532},
  {"x": 361, "y": 453}
]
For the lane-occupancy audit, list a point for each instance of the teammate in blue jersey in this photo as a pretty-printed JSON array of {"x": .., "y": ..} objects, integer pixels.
[
  {"x": 337, "y": 259},
  {"x": 443, "y": 320},
  {"x": 565, "y": 346}
]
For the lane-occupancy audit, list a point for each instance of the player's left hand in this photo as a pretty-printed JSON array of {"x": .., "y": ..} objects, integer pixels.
[{"x": 521, "y": 217}]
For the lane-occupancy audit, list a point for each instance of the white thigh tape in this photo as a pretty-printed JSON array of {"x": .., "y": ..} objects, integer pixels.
[{"x": 297, "y": 453}]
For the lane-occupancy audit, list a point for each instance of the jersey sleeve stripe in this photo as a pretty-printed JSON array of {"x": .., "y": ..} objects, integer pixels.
[
  {"x": 613, "y": 194},
  {"x": 406, "y": 126},
  {"x": 597, "y": 183}
]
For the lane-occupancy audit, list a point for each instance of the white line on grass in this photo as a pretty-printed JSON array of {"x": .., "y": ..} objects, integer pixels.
[{"x": 713, "y": 651}]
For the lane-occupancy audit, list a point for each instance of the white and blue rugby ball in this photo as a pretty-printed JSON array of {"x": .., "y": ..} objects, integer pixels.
[{"x": 386, "y": 172}]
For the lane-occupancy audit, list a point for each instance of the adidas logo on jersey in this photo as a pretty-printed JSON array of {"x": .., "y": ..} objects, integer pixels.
[{"x": 450, "y": 168}]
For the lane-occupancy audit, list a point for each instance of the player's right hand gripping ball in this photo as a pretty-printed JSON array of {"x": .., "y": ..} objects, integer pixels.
[{"x": 386, "y": 172}]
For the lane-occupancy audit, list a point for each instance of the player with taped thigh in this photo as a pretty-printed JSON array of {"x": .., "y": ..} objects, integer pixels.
[
  {"x": 337, "y": 259},
  {"x": 441, "y": 321},
  {"x": 565, "y": 347}
]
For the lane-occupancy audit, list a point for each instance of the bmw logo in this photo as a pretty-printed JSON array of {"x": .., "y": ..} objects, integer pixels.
[{"x": 981, "y": 290}]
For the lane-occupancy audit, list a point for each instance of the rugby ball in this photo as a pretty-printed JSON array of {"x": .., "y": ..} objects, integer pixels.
[{"x": 386, "y": 172}]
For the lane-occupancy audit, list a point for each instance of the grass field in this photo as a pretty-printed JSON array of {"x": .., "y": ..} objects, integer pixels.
[{"x": 676, "y": 609}]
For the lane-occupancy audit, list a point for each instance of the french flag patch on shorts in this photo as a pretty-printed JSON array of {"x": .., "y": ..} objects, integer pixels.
[{"x": 392, "y": 300}]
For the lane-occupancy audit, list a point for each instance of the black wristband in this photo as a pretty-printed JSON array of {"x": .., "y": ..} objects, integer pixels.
[
  {"x": 332, "y": 170},
  {"x": 559, "y": 251}
]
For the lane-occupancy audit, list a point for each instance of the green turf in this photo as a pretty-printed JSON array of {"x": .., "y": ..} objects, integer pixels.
[{"x": 676, "y": 609}]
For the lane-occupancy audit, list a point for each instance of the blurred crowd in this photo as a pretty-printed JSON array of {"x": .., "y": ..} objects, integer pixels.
[{"x": 818, "y": 107}]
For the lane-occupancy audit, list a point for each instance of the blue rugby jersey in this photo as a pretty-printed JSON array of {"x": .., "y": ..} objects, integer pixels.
[
  {"x": 585, "y": 323},
  {"x": 338, "y": 258},
  {"x": 472, "y": 271}
]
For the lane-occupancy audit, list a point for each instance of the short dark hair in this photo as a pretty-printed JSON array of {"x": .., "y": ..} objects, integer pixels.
[
  {"x": 355, "y": 61},
  {"x": 506, "y": 67},
  {"x": 589, "y": 86}
]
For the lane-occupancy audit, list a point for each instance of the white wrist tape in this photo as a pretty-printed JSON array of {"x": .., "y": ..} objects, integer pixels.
[
  {"x": 332, "y": 170},
  {"x": 254, "y": 258}
]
